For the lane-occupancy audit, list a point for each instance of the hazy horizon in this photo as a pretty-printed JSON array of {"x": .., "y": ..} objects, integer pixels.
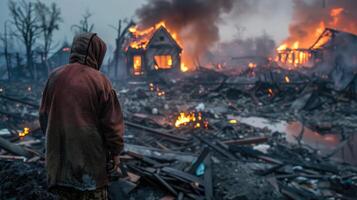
[{"x": 271, "y": 17}]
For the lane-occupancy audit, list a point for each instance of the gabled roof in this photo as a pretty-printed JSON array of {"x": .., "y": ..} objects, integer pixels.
[
  {"x": 162, "y": 32},
  {"x": 328, "y": 34}
]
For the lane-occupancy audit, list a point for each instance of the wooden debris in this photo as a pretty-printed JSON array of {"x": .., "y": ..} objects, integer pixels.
[
  {"x": 220, "y": 150},
  {"x": 171, "y": 137},
  {"x": 253, "y": 140},
  {"x": 208, "y": 178},
  {"x": 13, "y": 149},
  {"x": 199, "y": 160}
]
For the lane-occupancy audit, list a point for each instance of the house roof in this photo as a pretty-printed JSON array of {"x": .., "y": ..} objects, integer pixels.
[
  {"x": 154, "y": 39},
  {"x": 328, "y": 34},
  {"x": 162, "y": 32}
]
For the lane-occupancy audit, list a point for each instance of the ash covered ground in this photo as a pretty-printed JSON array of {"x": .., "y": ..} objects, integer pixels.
[{"x": 207, "y": 135}]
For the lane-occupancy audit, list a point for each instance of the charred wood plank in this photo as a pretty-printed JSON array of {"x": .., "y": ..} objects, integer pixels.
[
  {"x": 215, "y": 147},
  {"x": 270, "y": 170},
  {"x": 36, "y": 106},
  {"x": 250, "y": 152},
  {"x": 13, "y": 149},
  {"x": 180, "y": 196},
  {"x": 208, "y": 178},
  {"x": 189, "y": 178},
  {"x": 173, "y": 138},
  {"x": 165, "y": 184},
  {"x": 10, "y": 157},
  {"x": 199, "y": 160},
  {"x": 143, "y": 158},
  {"x": 12, "y": 115},
  {"x": 160, "y": 154},
  {"x": 324, "y": 167},
  {"x": 253, "y": 140},
  {"x": 296, "y": 193}
]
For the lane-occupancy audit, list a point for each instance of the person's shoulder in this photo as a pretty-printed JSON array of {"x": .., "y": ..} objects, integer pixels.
[
  {"x": 57, "y": 71},
  {"x": 105, "y": 79},
  {"x": 98, "y": 76}
]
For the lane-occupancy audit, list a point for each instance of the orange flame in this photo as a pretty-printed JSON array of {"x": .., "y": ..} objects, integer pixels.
[
  {"x": 184, "y": 119},
  {"x": 141, "y": 38},
  {"x": 25, "y": 132},
  {"x": 335, "y": 14},
  {"x": 183, "y": 67},
  {"x": 289, "y": 52},
  {"x": 282, "y": 47}
]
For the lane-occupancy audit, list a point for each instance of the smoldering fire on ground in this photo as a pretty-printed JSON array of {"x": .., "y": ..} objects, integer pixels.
[{"x": 265, "y": 123}]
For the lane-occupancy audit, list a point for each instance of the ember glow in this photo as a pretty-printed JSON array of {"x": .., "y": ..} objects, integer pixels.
[
  {"x": 191, "y": 119},
  {"x": 183, "y": 67},
  {"x": 155, "y": 88},
  {"x": 287, "y": 79},
  {"x": 66, "y": 49},
  {"x": 252, "y": 65},
  {"x": 25, "y": 132},
  {"x": 233, "y": 121}
]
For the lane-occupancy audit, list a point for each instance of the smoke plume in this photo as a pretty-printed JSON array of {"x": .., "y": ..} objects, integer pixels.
[
  {"x": 311, "y": 17},
  {"x": 195, "y": 21}
]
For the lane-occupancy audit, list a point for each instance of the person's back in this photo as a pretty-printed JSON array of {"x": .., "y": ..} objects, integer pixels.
[{"x": 82, "y": 119}]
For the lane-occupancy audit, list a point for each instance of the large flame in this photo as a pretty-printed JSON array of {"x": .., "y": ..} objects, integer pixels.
[
  {"x": 141, "y": 38},
  {"x": 334, "y": 21},
  {"x": 294, "y": 50}
]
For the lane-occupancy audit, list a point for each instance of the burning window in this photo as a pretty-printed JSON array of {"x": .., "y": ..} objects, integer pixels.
[
  {"x": 137, "y": 65},
  {"x": 163, "y": 61}
]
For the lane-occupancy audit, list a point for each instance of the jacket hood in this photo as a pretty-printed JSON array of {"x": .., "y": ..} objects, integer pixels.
[{"x": 88, "y": 49}]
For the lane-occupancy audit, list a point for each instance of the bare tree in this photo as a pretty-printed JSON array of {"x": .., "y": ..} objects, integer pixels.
[
  {"x": 49, "y": 20},
  {"x": 119, "y": 54},
  {"x": 84, "y": 25},
  {"x": 5, "y": 41},
  {"x": 26, "y": 23}
]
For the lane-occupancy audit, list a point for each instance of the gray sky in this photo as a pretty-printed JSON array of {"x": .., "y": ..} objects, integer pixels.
[{"x": 271, "y": 16}]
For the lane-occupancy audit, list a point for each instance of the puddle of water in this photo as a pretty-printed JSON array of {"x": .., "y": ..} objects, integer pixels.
[{"x": 323, "y": 142}]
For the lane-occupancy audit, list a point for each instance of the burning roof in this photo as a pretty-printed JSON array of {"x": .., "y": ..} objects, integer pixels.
[
  {"x": 329, "y": 34},
  {"x": 141, "y": 38},
  {"x": 152, "y": 50},
  {"x": 328, "y": 39},
  {"x": 313, "y": 29}
]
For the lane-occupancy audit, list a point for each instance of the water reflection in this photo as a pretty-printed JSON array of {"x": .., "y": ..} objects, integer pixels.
[{"x": 325, "y": 143}]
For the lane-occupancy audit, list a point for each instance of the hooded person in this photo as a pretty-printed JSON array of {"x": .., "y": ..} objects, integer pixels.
[{"x": 83, "y": 122}]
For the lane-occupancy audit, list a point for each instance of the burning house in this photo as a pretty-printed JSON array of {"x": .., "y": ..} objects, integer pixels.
[
  {"x": 332, "y": 47},
  {"x": 152, "y": 51}
]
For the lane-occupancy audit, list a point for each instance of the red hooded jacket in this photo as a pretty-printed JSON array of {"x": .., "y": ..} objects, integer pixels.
[{"x": 82, "y": 118}]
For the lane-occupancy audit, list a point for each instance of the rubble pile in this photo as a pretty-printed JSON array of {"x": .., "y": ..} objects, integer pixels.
[
  {"x": 202, "y": 136},
  {"x": 23, "y": 180}
]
